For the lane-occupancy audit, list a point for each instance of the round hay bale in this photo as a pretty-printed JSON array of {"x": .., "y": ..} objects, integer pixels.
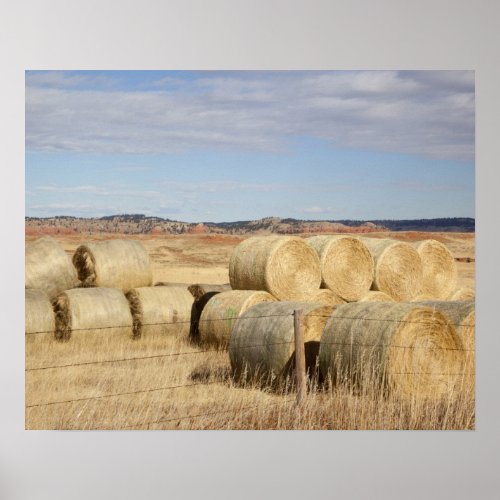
[
  {"x": 160, "y": 310},
  {"x": 463, "y": 294},
  {"x": 262, "y": 342},
  {"x": 422, "y": 297},
  {"x": 409, "y": 349},
  {"x": 38, "y": 313},
  {"x": 323, "y": 296},
  {"x": 346, "y": 265},
  {"x": 374, "y": 296},
  {"x": 85, "y": 311},
  {"x": 48, "y": 267},
  {"x": 398, "y": 268},
  {"x": 123, "y": 264},
  {"x": 198, "y": 290},
  {"x": 285, "y": 266},
  {"x": 220, "y": 313},
  {"x": 439, "y": 271}
]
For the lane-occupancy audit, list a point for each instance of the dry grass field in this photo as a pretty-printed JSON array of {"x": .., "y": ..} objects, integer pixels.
[{"x": 179, "y": 385}]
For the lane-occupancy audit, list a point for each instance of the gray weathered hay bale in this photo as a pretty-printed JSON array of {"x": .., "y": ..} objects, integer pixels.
[
  {"x": 322, "y": 296},
  {"x": 38, "y": 313},
  {"x": 375, "y": 296},
  {"x": 410, "y": 349},
  {"x": 160, "y": 310},
  {"x": 48, "y": 267},
  {"x": 284, "y": 266},
  {"x": 346, "y": 265},
  {"x": 200, "y": 289},
  {"x": 398, "y": 268},
  {"x": 262, "y": 342},
  {"x": 220, "y": 313},
  {"x": 439, "y": 271},
  {"x": 123, "y": 264},
  {"x": 463, "y": 294},
  {"x": 92, "y": 310}
]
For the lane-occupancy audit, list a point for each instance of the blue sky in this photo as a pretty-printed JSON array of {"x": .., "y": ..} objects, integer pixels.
[{"x": 239, "y": 145}]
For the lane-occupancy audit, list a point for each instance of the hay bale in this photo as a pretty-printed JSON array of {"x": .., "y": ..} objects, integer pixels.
[
  {"x": 346, "y": 265},
  {"x": 198, "y": 290},
  {"x": 408, "y": 349},
  {"x": 262, "y": 342},
  {"x": 123, "y": 264},
  {"x": 160, "y": 310},
  {"x": 38, "y": 313},
  {"x": 220, "y": 313},
  {"x": 439, "y": 271},
  {"x": 48, "y": 267},
  {"x": 86, "y": 311},
  {"x": 398, "y": 268},
  {"x": 463, "y": 294},
  {"x": 374, "y": 296},
  {"x": 285, "y": 266},
  {"x": 322, "y": 296},
  {"x": 422, "y": 297}
]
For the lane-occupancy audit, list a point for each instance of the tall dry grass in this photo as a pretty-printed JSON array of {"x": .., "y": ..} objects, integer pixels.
[{"x": 197, "y": 391}]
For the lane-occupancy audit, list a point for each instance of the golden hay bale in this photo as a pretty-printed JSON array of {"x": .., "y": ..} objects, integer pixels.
[
  {"x": 48, "y": 267},
  {"x": 463, "y": 294},
  {"x": 422, "y": 297},
  {"x": 92, "y": 310},
  {"x": 262, "y": 342},
  {"x": 200, "y": 289},
  {"x": 411, "y": 349},
  {"x": 346, "y": 265},
  {"x": 284, "y": 266},
  {"x": 160, "y": 309},
  {"x": 398, "y": 268},
  {"x": 439, "y": 271},
  {"x": 220, "y": 313},
  {"x": 322, "y": 296},
  {"x": 374, "y": 296},
  {"x": 38, "y": 313},
  {"x": 123, "y": 264}
]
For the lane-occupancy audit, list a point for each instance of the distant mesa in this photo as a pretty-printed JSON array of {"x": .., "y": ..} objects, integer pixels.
[{"x": 142, "y": 224}]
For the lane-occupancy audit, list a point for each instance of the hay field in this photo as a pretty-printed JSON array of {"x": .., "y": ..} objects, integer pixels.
[{"x": 208, "y": 398}]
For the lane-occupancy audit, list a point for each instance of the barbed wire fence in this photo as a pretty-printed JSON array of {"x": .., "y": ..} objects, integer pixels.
[{"x": 298, "y": 341}]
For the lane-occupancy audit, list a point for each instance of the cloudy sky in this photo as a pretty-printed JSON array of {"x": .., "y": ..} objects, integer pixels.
[{"x": 239, "y": 145}]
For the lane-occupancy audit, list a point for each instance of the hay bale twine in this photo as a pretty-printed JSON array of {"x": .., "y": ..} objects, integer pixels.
[
  {"x": 284, "y": 266},
  {"x": 346, "y": 265},
  {"x": 439, "y": 271},
  {"x": 398, "y": 268},
  {"x": 38, "y": 313},
  {"x": 85, "y": 311},
  {"x": 408, "y": 349},
  {"x": 123, "y": 264},
  {"x": 48, "y": 267},
  {"x": 160, "y": 310},
  {"x": 463, "y": 294},
  {"x": 375, "y": 296},
  {"x": 262, "y": 342},
  {"x": 220, "y": 313},
  {"x": 322, "y": 296}
]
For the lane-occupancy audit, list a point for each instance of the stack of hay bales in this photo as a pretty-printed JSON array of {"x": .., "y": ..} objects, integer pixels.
[
  {"x": 346, "y": 265},
  {"x": 160, "y": 310},
  {"x": 38, "y": 313},
  {"x": 407, "y": 349},
  {"x": 262, "y": 342},
  {"x": 123, "y": 264},
  {"x": 48, "y": 268},
  {"x": 85, "y": 311}
]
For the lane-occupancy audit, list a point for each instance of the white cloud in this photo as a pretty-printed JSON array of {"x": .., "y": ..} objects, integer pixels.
[{"x": 426, "y": 113}]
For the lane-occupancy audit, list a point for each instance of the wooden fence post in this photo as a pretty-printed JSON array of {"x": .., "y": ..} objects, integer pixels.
[{"x": 300, "y": 356}]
